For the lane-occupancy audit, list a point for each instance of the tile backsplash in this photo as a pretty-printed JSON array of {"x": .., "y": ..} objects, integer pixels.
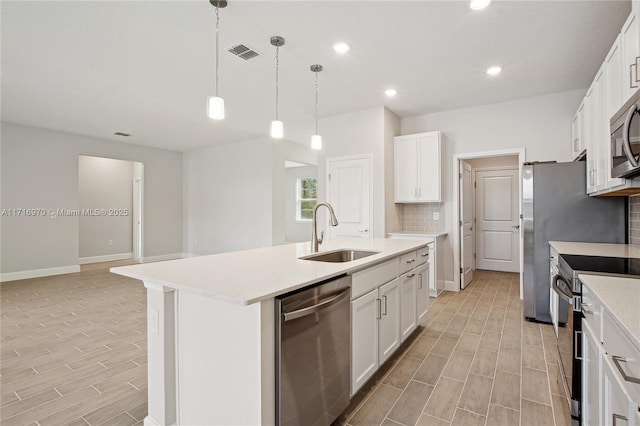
[
  {"x": 421, "y": 217},
  {"x": 634, "y": 220}
]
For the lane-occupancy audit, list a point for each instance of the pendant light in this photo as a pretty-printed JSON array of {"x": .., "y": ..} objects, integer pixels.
[
  {"x": 277, "y": 126},
  {"x": 215, "y": 104},
  {"x": 316, "y": 139}
]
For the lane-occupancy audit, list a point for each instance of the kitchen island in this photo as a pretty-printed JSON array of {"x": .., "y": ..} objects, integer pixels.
[{"x": 211, "y": 332}]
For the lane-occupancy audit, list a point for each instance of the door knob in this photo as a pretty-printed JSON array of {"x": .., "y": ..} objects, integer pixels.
[
  {"x": 516, "y": 226},
  {"x": 364, "y": 231}
]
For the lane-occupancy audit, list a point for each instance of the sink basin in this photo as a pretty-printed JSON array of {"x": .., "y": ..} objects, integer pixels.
[{"x": 340, "y": 256}]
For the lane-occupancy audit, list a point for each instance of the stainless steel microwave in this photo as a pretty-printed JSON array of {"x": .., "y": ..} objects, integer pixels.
[{"x": 625, "y": 139}]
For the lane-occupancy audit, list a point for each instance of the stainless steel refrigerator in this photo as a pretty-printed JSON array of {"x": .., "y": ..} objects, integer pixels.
[{"x": 556, "y": 207}]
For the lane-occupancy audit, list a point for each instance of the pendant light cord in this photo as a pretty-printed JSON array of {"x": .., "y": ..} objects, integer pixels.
[
  {"x": 217, "y": 46},
  {"x": 316, "y": 102},
  {"x": 277, "y": 67}
]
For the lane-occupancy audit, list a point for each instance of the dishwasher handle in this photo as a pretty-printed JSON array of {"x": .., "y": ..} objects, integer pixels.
[{"x": 315, "y": 308}]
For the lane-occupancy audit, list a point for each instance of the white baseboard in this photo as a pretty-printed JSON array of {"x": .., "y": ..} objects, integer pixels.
[
  {"x": 105, "y": 258},
  {"x": 451, "y": 286},
  {"x": 162, "y": 257},
  {"x": 148, "y": 421},
  {"x": 37, "y": 273}
]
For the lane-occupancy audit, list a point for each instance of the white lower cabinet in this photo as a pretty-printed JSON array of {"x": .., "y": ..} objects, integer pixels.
[
  {"x": 364, "y": 338},
  {"x": 617, "y": 405},
  {"x": 375, "y": 331},
  {"x": 385, "y": 309},
  {"x": 591, "y": 377},
  {"x": 408, "y": 308},
  {"x": 422, "y": 290},
  {"x": 389, "y": 336}
]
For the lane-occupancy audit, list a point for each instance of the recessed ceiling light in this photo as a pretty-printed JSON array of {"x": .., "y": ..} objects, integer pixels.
[
  {"x": 390, "y": 92},
  {"x": 479, "y": 4},
  {"x": 494, "y": 70},
  {"x": 341, "y": 47}
]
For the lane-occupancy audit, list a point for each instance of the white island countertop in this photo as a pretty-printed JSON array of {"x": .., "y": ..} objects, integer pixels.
[
  {"x": 621, "y": 297},
  {"x": 250, "y": 276},
  {"x": 596, "y": 249},
  {"x": 417, "y": 234}
]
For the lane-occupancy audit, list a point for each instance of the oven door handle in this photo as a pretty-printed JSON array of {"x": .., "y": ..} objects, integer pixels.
[
  {"x": 625, "y": 136},
  {"x": 554, "y": 285}
]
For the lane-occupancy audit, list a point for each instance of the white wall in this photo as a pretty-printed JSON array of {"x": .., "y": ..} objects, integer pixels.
[
  {"x": 228, "y": 197},
  {"x": 107, "y": 184},
  {"x": 40, "y": 170},
  {"x": 368, "y": 131},
  {"x": 283, "y": 150},
  {"x": 541, "y": 125},
  {"x": 296, "y": 231}
]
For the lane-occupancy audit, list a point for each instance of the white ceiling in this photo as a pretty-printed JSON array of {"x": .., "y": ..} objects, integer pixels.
[{"x": 146, "y": 67}]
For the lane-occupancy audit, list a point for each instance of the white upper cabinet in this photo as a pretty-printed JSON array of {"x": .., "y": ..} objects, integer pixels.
[
  {"x": 418, "y": 168},
  {"x": 630, "y": 36},
  {"x": 577, "y": 133},
  {"x": 616, "y": 80}
]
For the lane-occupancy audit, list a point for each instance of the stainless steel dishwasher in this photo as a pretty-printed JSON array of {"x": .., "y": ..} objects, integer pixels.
[{"x": 313, "y": 353}]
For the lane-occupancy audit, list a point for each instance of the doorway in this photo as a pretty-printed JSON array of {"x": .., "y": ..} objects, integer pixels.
[
  {"x": 349, "y": 191},
  {"x": 487, "y": 209},
  {"x": 110, "y": 201}
]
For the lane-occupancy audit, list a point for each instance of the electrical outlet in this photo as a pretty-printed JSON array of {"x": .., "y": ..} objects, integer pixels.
[
  {"x": 436, "y": 216},
  {"x": 154, "y": 321},
  {"x": 110, "y": 243}
]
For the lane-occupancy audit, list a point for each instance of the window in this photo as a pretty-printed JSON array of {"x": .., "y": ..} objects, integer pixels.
[{"x": 305, "y": 198}]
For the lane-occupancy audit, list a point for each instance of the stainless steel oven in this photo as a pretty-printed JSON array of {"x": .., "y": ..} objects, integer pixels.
[
  {"x": 625, "y": 139},
  {"x": 567, "y": 285}
]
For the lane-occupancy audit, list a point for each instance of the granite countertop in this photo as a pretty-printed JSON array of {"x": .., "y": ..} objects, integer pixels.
[
  {"x": 596, "y": 249},
  {"x": 621, "y": 298},
  {"x": 250, "y": 276}
]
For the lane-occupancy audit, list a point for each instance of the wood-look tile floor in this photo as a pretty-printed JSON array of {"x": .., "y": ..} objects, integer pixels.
[
  {"x": 474, "y": 360},
  {"x": 73, "y": 351}
]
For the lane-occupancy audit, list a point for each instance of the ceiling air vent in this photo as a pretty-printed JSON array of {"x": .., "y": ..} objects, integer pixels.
[{"x": 243, "y": 51}]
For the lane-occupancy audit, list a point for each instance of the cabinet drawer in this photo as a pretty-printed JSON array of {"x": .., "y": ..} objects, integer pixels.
[
  {"x": 592, "y": 312},
  {"x": 422, "y": 255},
  {"x": 408, "y": 261},
  {"x": 364, "y": 281},
  {"x": 623, "y": 355}
]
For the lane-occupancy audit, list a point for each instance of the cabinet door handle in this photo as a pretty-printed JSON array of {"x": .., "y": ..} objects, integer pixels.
[
  {"x": 411, "y": 275},
  {"x": 637, "y": 66},
  {"x": 617, "y": 360},
  {"x": 410, "y": 260},
  {"x": 385, "y": 305},
  {"x": 420, "y": 281},
  {"x": 575, "y": 344},
  {"x": 633, "y": 69},
  {"x": 615, "y": 417},
  {"x": 379, "y": 307}
]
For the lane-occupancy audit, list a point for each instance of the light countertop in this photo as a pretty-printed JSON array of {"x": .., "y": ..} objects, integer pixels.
[
  {"x": 250, "y": 276},
  {"x": 596, "y": 249},
  {"x": 416, "y": 234},
  {"x": 621, "y": 297}
]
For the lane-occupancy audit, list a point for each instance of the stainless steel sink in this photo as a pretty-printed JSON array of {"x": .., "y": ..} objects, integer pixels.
[{"x": 339, "y": 256}]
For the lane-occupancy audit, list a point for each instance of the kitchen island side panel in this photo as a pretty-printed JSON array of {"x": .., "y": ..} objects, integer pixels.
[{"x": 225, "y": 362}]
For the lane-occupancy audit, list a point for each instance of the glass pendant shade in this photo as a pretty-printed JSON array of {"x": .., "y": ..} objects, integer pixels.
[
  {"x": 316, "y": 142},
  {"x": 215, "y": 108},
  {"x": 277, "y": 129}
]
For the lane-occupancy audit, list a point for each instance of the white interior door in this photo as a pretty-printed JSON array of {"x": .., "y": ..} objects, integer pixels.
[
  {"x": 466, "y": 225},
  {"x": 349, "y": 193},
  {"x": 498, "y": 223}
]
